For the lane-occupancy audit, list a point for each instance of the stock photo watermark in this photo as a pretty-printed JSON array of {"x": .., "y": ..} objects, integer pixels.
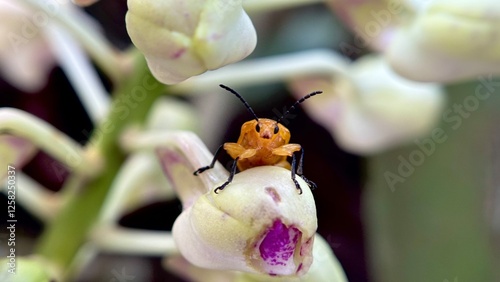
[
  {"x": 121, "y": 276},
  {"x": 452, "y": 116},
  {"x": 372, "y": 29},
  {"x": 11, "y": 218},
  {"x": 31, "y": 25},
  {"x": 284, "y": 119},
  {"x": 331, "y": 242}
]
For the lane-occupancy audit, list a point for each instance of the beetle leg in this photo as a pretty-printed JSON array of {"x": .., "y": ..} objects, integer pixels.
[
  {"x": 286, "y": 150},
  {"x": 230, "y": 178},
  {"x": 248, "y": 153},
  {"x": 216, "y": 155},
  {"x": 294, "y": 164},
  {"x": 298, "y": 169},
  {"x": 234, "y": 149}
]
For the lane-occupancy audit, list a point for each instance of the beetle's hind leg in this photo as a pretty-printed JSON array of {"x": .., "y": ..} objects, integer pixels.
[
  {"x": 229, "y": 179},
  {"x": 211, "y": 165},
  {"x": 298, "y": 170}
]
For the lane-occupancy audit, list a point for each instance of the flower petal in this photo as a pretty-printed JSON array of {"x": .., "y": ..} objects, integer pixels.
[
  {"x": 372, "y": 21},
  {"x": 258, "y": 223},
  {"x": 225, "y": 34},
  {"x": 24, "y": 54},
  {"x": 180, "y": 154},
  {"x": 172, "y": 114},
  {"x": 325, "y": 268},
  {"x": 278, "y": 247}
]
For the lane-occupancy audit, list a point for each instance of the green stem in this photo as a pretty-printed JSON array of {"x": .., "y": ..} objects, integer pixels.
[{"x": 132, "y": 101}]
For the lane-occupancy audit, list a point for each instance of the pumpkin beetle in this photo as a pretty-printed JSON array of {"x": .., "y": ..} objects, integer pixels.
[{"x": 263, "y": 142}]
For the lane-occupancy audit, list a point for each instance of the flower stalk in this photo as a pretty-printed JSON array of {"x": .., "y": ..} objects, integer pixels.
[
  {"x": 65, "y": 235},
  {"x": 273, "y": 69},
  {"x": 45, "y": 137},
  {"x": 80, "y": 73}
]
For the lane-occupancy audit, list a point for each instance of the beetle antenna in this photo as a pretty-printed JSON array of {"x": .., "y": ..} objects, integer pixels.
[
  {"x": 241, "y": 99},
  {"x": 297, "y": 103}
]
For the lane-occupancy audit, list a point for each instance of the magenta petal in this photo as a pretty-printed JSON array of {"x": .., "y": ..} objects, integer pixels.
[{"x": 278, "y": 246}]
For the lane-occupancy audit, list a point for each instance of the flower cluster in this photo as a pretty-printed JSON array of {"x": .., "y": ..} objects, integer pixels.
[{"x": 143, "y": 147}]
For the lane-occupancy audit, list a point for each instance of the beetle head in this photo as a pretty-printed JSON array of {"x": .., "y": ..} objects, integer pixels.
[{"x": 266, "y": 131}]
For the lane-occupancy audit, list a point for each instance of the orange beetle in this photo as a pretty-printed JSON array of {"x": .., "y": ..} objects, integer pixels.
[{"x": 263, "y": 142}]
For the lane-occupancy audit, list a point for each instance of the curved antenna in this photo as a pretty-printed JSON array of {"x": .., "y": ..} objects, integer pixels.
[
  {"x": 241, "y": 99},
  {"x": 298, "y": 102}
]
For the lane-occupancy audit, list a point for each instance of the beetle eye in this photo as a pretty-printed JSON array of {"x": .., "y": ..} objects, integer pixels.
[
  {"x": 276, "y": 129},
  {"x": 257, "y": 128}
]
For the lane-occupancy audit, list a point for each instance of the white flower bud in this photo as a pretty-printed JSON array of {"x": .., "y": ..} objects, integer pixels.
[
  {"x": 181, "y": 39},
  {"x": 325, "y": 268},
  {"x": 449, "y": 41},
  {"x": 429, "y": 41},
  {"x": 25, "y": 57},
  {"x": 259, "y": 223},
  {"x": 371, "y": 108}
]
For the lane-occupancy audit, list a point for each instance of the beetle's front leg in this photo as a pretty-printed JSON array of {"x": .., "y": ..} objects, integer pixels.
[
  {"x": 290, "y": 150},
  {"x": 230, "y": 178},
  {"x": 211, "y": 165},
  {"x": 235, "y": 150},
  {"x": 286, "y": 150},
  {"x": 300, "y": 169}
]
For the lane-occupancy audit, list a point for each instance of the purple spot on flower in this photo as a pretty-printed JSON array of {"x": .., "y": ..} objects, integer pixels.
[
  {"x": 299, "y": 268},
  {"x": 178, "y": 53},
  {"x": 274, "y": 194},
  {"x": 306, "y": 247},
  {"x": 279, "y": 244},
  {"x": 215, "y": 36}
]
